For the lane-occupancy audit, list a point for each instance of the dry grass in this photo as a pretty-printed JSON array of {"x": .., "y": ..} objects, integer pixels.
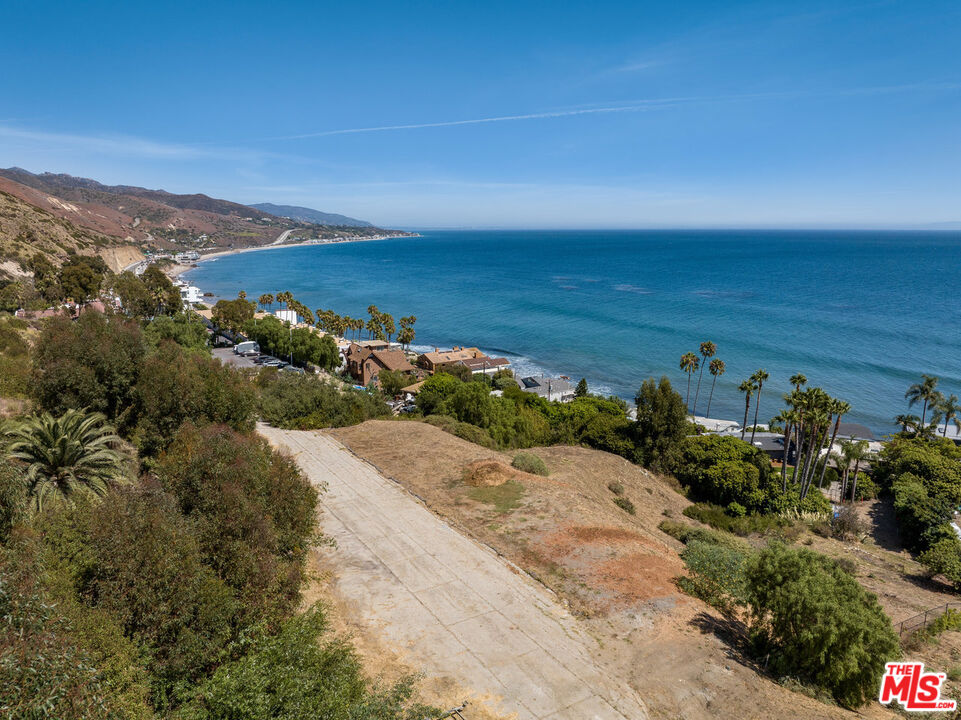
[{"x": 614, "y": 569}]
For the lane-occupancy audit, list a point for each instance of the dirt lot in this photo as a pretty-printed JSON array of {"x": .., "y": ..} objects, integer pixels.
[{"x": 616, "y": 570}]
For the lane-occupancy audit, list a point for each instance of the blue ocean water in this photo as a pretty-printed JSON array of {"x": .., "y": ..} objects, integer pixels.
[{"x": 862, "y": 314}]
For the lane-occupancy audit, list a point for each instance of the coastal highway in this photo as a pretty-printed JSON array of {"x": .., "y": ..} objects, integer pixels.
[{"x": 449, "y": 605}]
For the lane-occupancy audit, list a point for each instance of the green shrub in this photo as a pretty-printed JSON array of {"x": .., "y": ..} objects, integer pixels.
[
  {"x": 530, "y": 463},
  {"x": 817, "y": 623},
  {"x": 735, "y": 509},
  {"x": 626, "y": 505},
  {"x": 615, "y": 487},
  {"x": 718, "y": 517},
  {"x": 944, "y": 558},
  {"x": 504, "y": 497},
  {"x": 303, "y": 402},
  {"x": 716, "y": 573},
  {"x": 688, "y": 533},
  {"x": 301, "y": 673}
]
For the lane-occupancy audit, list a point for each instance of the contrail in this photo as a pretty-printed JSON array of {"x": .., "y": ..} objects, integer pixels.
[{"x": 646, "y": 105}]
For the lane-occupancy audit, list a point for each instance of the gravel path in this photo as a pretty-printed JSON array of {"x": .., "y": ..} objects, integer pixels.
[{"x": 448, "y": 602}]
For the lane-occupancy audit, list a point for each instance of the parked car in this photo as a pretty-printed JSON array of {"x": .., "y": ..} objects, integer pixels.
[
  {"x": 263, "y": 359},
  {"x": 246, "y": 346}
]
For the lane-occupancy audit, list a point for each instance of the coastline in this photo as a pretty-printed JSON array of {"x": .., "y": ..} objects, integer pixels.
[{"x": 238, "y": 251}]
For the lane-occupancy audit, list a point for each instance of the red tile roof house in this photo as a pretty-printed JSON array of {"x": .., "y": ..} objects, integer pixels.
[{"x": 364, "y": 364}]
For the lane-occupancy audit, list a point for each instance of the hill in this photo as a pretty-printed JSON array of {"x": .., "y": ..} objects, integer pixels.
[
  {"x": 58, "y": 213},
  {"x": 303, "y": 214},
  {"x": 26, "y": 229}
]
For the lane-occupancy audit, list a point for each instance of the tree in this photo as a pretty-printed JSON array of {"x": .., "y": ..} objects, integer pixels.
[
  {"x": 135, "y": 298},
  {"x": 818, "y": 623},
  {"x": 232, "y": 314},
  {"x": 166, "y": 297},
  {"x": 581, "y": 389},
  {"x": 391, "y": 382},
  {"x": 92, "y": 363},
  {"x": 947, "y": 410},
  {"x": 689, "y": 364},
  {"x": 265, "y": 300},
  {"x": 747, "y": 387},
  {"x": 661, "y": 423},
  {"x": 853, "y": 452},
  {"x": 66, "y": 456},
  {"x": 838, "y": 409},
  {"x": 387, "y": 322},
  {"x": 908, "y": 423},
  {"x": 44, "y": 276},
  {"x": 81, "y": 276},
  {"x": 758, "y": 379},
  {"x": 185, "y": 329},
  {"x": 717, "y": 369},
  {"x": 407, "y": 334},
  {"x": 923, "y": 392},
  {"x": 708, "y": 350},
  {"x": 797, "y": 380}
]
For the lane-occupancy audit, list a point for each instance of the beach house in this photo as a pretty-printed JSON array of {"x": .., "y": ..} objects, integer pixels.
[
  {"x": 363, "y": 364},
  {"x": 471, "y": 358},
  {"x": 553, "y": 389}
]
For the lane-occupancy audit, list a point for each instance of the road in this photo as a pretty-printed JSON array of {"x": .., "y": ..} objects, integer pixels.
[
  {"x": 449, "y": 603},
  {"x": 280, "y": 238}
]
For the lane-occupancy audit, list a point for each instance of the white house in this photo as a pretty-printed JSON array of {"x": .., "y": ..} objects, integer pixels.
[
  {"x": 190, "y": 294},
  {"x": 286, "y": 316}
]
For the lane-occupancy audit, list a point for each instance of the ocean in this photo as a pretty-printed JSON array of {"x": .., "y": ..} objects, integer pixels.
[{"x": 861, "y": 314}]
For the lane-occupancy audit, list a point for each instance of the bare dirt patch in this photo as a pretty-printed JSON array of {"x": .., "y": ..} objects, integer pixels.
[{"x": 488, "y": 473}]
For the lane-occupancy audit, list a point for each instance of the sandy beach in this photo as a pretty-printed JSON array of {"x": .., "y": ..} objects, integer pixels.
[{"x": 282, "y": 246}]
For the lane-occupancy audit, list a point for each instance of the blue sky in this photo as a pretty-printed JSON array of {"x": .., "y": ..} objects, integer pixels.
[{"x": 502, "y": 114}]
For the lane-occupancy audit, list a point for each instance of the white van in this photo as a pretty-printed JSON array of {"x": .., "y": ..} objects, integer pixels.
[{"x": 246, "y": 347}]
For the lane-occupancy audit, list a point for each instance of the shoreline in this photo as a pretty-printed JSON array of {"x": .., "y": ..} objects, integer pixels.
[{"x": 306, "y": 243}]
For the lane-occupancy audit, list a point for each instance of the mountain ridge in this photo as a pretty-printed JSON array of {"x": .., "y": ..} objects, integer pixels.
[{"x": 305, "y": 214}]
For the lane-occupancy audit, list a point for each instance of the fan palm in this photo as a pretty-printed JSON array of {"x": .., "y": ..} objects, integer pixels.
[
  {"x": 797, "y": 380},
  {"x": 708, "y": 350},
  {"x": 923, "y": 392},
  {"x": 758, "y": 379},
  {"x": 717, "y": 369},
  {"x": 67, "y": 455},
  {"x": 689, "y": 364}
]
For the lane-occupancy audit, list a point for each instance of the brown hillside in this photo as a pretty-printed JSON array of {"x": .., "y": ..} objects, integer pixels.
[{"x": 615, "y": 569}]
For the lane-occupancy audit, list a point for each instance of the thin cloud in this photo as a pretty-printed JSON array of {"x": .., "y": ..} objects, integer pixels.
[{"x": 634, "y": 106}]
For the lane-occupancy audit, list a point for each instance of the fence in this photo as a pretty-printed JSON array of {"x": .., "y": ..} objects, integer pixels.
[{"x": 922, "y": 620}]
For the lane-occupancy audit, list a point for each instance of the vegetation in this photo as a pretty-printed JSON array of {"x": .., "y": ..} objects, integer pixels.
[
  {"x": 305, "y": 403},
  {"x": 504, "y": 497},
  {"x": 65, "y": 456},
  {"x": 530, "y": 463},
  {"x": 626, "y": 505},
  {"x": 299, "y": 344}
]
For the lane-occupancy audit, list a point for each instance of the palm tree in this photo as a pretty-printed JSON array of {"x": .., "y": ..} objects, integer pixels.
[
  {"x": 837, "y": 408},
  {"x": 67, "y": 455},
  {"x": 758, "y": 378},
  {"x": 708, "y": 350},
  {"x": 947, "y": 409},
  {"x": 924, "y": 392},
  {"x": 908, "y": 421},
  {"x": 717, "y": 369},
  {"x": 387, "y": 322},
  {"x": 797, "y": 380},
  {"x": 788, "y": 418},
  {"x": 747, "y": 387},
  {"x": 689, "y": 363},
  {"x": 852, "y": 453},
  {"x": 264, "y": 300}
]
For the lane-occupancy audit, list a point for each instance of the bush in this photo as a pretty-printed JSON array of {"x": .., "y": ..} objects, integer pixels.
[
  {"x": 724, "y": 470},
  {"x": 530, "y": 463},
  {"x": 176, "y": 386},
  {"x": 300, "y": 674},
  {"x": 847, "y": 523},
  {"x": 615, "y": 487},
  {"x": 13, "y": 497},
  {"x": 818, "y": 623},
  {"x": 302, "y": 402},
  {"x": 866, "y": 488},
  {"x": 626, "y": 505},
  {"x": 137, "y": 559},
  {"x": 687, "y": 533},
  {"x": 716, "y": 574},
  {"x": 944, "y": 558},
  {"x": 253, "y": 513},
  {"x": 91, "y": 363},
  {"x": 185, "y": 329},
  {"x": 718, "y": 517}
]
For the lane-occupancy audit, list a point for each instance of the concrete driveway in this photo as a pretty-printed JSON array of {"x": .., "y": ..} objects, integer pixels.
[{"x": 448, "y": 602}]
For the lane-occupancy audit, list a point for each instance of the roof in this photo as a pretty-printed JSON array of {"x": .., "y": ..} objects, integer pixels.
[
  {"x": 413, "y": 389},
  {"x": 538, "y": 382},
  {"x": 392, "y": 360},
  {"x": 451, "y": 356},
  {"x": 483, "y": 363}
]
